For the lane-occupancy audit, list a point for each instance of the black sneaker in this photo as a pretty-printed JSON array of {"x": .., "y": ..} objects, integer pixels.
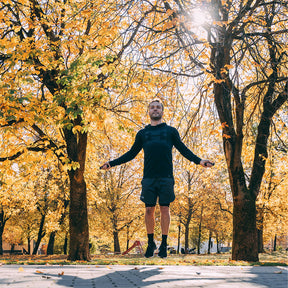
[
  {"x": 162, "y": 251},
  {"x": 150, "y": 250}
]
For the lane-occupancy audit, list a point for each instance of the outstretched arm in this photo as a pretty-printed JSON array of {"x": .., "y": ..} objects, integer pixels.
[
  {"x": 128, "y": 156},
  {"x": 187, "y": 153}
]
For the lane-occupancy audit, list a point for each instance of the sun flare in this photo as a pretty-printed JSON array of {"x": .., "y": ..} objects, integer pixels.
[{"x": 199, "y": 17}]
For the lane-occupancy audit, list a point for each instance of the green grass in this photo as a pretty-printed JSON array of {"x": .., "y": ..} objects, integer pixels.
[{"x": 265, "y": 259}]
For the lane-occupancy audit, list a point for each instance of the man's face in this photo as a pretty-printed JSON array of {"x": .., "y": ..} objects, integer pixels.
[{"x": 155, "y": 111}]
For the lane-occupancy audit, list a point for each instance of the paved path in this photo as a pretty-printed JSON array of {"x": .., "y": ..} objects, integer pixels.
[{"x": 127, "y": 276}]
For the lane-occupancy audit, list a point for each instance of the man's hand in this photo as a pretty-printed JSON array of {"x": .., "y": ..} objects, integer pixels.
[
  {"x": 105, "y": 166},
  {"x": 206, "y": 163}
]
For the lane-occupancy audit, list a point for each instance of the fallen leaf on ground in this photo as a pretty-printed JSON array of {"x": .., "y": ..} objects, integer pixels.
[
  {"x": 40, "y": 272},
  {"x": 20, "y": 269},
  {"x": 61, "y": 274}
]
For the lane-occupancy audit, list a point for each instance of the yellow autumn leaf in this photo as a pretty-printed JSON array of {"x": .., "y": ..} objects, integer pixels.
[{"x": 39, "y": 272}]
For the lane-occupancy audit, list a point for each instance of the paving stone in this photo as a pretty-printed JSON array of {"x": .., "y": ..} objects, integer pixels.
[{"x": 121, "y": 276}]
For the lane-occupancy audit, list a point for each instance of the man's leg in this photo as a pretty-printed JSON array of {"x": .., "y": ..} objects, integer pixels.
[
  {"x": 165, "y": 224},
  {"x": 150, "y": 224},
  {"x": 165, "y": 219},
  {"x": 150, "y": 219}
]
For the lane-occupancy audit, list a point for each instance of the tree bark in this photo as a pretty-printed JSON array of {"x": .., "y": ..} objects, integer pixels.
[
  {"x": 217, "y": 241},
  {"x": 199, "y": 238},
  {"x": 244, "y": 207},
  {"x": 29, "y": 245},
  {"x": 78, "y": 214},
  {"x": 50, "y": 247},
  {"x": 260, "y": 241},
  {"x": 41, "y": 234},
  {"x": 186, "y": 236},
  {"x": 78, "y": 222},
  {"x": 260, "y": 221},
  {"x": 116, "y": 242},
  {"x": 2, "y": 225},
  {"x": 245, "y": 246},
  {"x": 210, "y": 242},
  {"x": 65, "y": 245},
  {"x": 199, "y": 232},
  {"x": 1, "y": 241},
  {"x": 190, "y": 211},
  {"x": 12, "y": 248},
  {"x": 275, "y": 243},
  {"x": 128, "y": 237},
  {"x": 179, "y": 234}
]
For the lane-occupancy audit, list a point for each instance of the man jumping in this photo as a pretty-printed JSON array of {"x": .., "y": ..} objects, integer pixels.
[{"x": 157, "y": 140}]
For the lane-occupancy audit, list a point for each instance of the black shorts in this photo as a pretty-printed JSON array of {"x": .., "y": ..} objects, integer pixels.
[{"x": 153, "y": 188}]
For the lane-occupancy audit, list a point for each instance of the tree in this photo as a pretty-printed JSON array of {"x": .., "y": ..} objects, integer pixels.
[
  {"x": 114, "y": 194},
  {"x": 273, "y": 181},
  {"x": 245, "y": 80},
  {"x": 227, "y": 91},
  {"x": 271, "y": 202},
  {"x": 186, "y": 205},
  {"x": 11, "y": 201},
  {"x": 58, "y": 66}
]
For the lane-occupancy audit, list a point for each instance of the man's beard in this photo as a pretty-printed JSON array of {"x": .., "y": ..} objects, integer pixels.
[{"x": 155, "y": 117}]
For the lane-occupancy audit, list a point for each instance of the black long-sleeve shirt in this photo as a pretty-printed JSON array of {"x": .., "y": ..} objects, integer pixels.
[{"x": 157, "y": 143}]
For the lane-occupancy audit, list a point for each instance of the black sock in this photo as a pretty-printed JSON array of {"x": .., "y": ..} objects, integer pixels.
[
  {"x": 150, "y": 238},
  {"x": 164, "y": 240}
]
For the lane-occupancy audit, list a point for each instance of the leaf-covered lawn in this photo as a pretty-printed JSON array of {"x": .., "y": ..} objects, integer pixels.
[{"x": 269, "y": 259}]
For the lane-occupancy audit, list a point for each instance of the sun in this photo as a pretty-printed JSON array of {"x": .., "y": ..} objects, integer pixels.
[{"x": 200, "y": 17}]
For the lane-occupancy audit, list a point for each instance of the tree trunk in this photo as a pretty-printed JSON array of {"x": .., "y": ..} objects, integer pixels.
[
  {"x": 78, "y": 214},
  {"x": 1, "y": 237},
  {"x": 199, "y": 238},
  {"x": 12, "y": 248},
  {"x": 199, "y": 232},
  {"x": 50, "y": 247},
  {"x": 186, "y": 235},
  {"x": 217, "y": 241},
  {"x": 260, "y": 241},
  {"x": 260, "y": 225},
  {"x": 41, "y": 234},
  {"x": 190, "y": 211},
  {"x": 116, "y": 242},
  {"x": 275, "y": 243},
  {"x": 179, "y": 234},
  {"x": 245, "y": 246},
  {"x": 127, "y": 238},
  {"x": 3, "y": 220},
  {"x": 210, "y": 242},
  {"x": 65, "y": 245},
  {"x": 78, "y": 222},
  {"x": 29, "y": 245}
]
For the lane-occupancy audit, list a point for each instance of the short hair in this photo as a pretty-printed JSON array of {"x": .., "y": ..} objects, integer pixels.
[{"x": 158, "y": 101}]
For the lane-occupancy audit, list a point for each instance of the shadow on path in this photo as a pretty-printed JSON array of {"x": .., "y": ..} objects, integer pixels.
[
  {"x": 134, "y": 277},
  {"x": 143, "y": 276}
]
